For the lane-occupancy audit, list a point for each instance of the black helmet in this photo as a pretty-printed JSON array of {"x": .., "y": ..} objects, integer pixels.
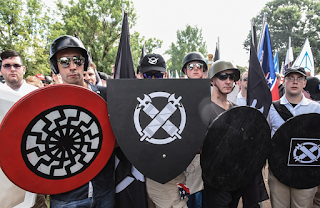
[
  {"x": 194, "y": 56},
  {"x": 63, "y": 42}
]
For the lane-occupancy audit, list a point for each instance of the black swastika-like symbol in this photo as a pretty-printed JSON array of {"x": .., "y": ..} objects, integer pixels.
[{"x": 61, "y": 142}]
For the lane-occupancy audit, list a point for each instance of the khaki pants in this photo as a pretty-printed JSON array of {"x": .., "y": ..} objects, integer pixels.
[
  {"x": 282, "y": 196},
  {"x": 166, "y": 195}
]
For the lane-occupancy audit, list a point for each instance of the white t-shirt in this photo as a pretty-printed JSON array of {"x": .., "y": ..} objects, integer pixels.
[
  {"x": 10, "y": 194},
  {"x": 23, "y": 90}
]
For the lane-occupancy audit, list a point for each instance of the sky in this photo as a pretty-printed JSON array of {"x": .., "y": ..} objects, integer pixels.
[{"x": 227, "y": 19}]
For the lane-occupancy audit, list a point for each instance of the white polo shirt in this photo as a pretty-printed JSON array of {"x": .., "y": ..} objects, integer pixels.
[{"x": 305, "y": 106}]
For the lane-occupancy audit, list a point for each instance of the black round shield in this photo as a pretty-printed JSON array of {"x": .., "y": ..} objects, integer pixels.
[
  {"x": 235, "y": 148},
  {"x": 295, "y": 151},
  {"x": 55, "y": 139}
]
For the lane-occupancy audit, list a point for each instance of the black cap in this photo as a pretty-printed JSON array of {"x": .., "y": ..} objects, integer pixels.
[
  {"x": 299, "y": 70},
  {"x": 153, "y": 62},
  {"x": 313, "y": 87}
]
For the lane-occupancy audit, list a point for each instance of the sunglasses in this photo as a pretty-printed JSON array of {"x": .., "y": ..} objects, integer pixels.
[
  {"x": 8, "y": 66},
  {"x": 191, "y": 66},
  {"x": 224, "y": 76},
  {"x": 66, "y": 61},
  {"x": 157, "y": 75}
]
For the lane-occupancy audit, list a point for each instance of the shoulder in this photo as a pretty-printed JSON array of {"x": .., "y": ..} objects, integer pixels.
[{"x": 100, "y": 90}]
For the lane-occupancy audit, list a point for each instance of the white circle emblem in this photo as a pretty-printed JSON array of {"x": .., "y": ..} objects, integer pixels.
[{"x": 160, "y": 118}]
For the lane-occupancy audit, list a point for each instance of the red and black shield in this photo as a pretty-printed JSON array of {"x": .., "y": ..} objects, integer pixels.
[
  {"x": 235, "y": 148},
  {"x": 55, "y": 139},
  {"x": 295, "y": 152},
  {"x": 158, "y": 123}
]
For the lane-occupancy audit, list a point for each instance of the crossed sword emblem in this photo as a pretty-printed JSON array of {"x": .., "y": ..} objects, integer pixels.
[
  {"x": 160, "y": 119},
  {"x": 306, "y": 153}
]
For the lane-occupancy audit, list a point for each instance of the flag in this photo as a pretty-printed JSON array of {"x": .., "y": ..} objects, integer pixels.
[
  {"x": 305, "y": 58},
  {"x": 130, "y": 184},
  {"x": 124, "y": 62},
  {"x": 177, "y": 75},
  {"x": 143, "y": 53},
  {"x": 289, "y": 57},
  {"x": 276, "y": 62},
  {"x": 258, "y": 92},
  {"x": 266, "y": 61},
  {"x": 217, "y": 52}
]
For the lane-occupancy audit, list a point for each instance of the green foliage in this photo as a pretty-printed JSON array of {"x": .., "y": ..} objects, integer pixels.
[
  {"x": 188, "y": 40},
  {"x": 29, "y": 27},
  {"x": 297, "y": 19},
  {"x": 22, "y": 29}
]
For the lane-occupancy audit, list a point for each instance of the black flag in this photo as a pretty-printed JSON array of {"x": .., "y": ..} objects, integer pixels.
[
  {"x": 258, "y": 93},
  {"x": 130, "y": 186},
  {"x": 217, "y": 52},
  {"x": 143, "y": 53},
  {"x": 124, "y": 63}
]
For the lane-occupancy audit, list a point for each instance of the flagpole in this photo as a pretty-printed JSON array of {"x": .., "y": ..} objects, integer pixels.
[{"x": 263, "y": 29}]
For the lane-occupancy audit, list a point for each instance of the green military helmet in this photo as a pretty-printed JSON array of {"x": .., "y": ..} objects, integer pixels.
[{"x": 222, "y": 65}]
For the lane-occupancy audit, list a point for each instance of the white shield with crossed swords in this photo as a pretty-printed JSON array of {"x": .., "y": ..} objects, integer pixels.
[{"x": 160, "y": 119}]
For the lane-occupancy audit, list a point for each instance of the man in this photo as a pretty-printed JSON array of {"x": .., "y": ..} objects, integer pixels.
[
  {"x": 56, "y": 78},
  {"x": 280, "y": 85},
  {"x": 153, "y": 66},
  {"x": 103, "y": 76},
  {"x": 194, "y": 66},
  {"x": 69, "y": 57},
  {"x": 242, "y": 95},
  {"x": 90, "y": 74},
  {"x": 312, "y": 89},
  {"x": 12, "y": 70},
  {"x": 294, "y": 100},
  {"x": 223, "y": 75}
]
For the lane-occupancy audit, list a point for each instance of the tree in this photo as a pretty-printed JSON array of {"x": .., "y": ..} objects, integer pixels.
[
  {"x": 22, "y": 29},
  {"x": 188, "y": 40},
  {"x": 297, "y": 19},
  {"x": 98, "y": 24}
]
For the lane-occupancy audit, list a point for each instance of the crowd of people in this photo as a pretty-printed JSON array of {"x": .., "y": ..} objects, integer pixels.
[{"x": 70, "y": 65}]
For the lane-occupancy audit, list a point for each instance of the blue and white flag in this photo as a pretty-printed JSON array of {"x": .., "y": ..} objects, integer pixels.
[
  {"x": 276, "y": 62},
  {"x": 266, "y": 61},
  {"x": 305, "y": 58}
]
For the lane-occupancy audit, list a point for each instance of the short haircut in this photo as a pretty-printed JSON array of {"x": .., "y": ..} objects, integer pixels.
[
  {"x": 92, "y": 65},
  {"x": 10, "y": 54},
  {"x": 241, "y": 76}
]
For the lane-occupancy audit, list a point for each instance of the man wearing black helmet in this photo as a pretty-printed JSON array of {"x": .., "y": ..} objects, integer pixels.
[
  {"x": 69, "y": 58},
  {"x": 194, "y": 65}
]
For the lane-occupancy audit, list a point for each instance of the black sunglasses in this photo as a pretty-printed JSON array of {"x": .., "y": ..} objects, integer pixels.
[
  {"x": 149, "y": 75},
  {"x": 66, "y": 61},
  {"x": 224, "y": 76},
  {"x": 8, "y": 66}
]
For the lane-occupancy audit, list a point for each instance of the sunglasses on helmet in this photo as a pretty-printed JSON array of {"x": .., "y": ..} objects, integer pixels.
[
  {"x": 66, "y": 61},
  {"x": 191, "y": 66},
  {"x": 224, "y": 76},
  {"x": 149, "y": 75}
]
